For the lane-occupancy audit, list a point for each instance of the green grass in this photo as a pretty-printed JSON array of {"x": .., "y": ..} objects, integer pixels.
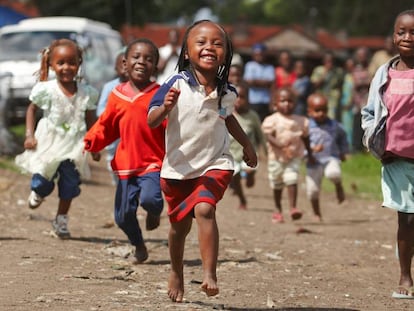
[
  {"x": 361, "y": 176},
  {"x": 361, "y": 173},
  {"x": 18, "y": 131},
  {"x": 7, "y": 162}
]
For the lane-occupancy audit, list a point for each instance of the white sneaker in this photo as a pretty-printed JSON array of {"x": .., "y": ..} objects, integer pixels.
[
  {"x": 34, "y": 200},
  {"x": 60, "y": 226}
]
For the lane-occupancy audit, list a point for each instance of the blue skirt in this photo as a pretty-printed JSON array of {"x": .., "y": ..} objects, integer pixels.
[{"x": 398, "y": 185}]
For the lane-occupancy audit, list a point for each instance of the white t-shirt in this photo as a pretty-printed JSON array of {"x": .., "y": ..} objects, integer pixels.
[{"x": 197, "y": 139}]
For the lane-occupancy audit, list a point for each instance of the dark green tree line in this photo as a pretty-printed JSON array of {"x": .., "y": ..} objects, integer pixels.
[{"x": 356, "y": 17}]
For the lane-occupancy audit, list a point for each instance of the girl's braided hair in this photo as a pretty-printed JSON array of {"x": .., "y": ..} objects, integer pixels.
[
  {"x": 47, "y": 53},
  {"x": 223, "y": 70}
]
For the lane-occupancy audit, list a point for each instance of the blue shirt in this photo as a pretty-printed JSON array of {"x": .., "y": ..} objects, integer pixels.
[
  {"x": 106, "y": 90},
  {"x": 256, "y": 71},
  {"x": 332, "y": 136}
]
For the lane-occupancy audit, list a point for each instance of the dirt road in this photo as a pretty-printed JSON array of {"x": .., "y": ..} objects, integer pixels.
[{"x": 346, "y": 263}]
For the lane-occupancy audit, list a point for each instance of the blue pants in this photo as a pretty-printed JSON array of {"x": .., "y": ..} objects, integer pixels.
[
  {"x": 68, "y": 182},
  {"x": 143, "y": 190}
]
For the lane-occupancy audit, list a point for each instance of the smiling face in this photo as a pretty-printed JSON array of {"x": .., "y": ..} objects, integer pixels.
[
  {"x": 65, "y": 62},
  {"x": 140, "y": 64},
  {"x": 404, "y": 35},
  {"x": 206, "y": 47}
]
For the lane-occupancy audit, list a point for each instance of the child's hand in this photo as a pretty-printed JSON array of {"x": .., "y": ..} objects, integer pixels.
[
  {"x": 288, "y": 152},
  {"x": 170, "y": 99},
  {"x": 317, "y": 148},
  {"x": 96, "y": 156},
  {"x": 250, "y": 156},
  {"x": 30, "y": 142},
  {"x": 311, "y": 160}
]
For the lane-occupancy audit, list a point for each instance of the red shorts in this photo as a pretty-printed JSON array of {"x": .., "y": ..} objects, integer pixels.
[{"x": 183, "y": 195}]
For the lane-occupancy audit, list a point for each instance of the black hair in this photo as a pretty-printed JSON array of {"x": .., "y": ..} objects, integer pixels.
[
  {"x": 146, "y": 41},
  {"x": 223, "y": 71},
  {"x": 406, "y": 12},
  {"x": 47, "y": 53}
]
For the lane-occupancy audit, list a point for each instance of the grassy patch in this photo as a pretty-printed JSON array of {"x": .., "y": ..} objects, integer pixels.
[
  {"x": 361, "y": 175},
  {"x": 18, "y": 131},
  {"x": 7, "y": 163}
]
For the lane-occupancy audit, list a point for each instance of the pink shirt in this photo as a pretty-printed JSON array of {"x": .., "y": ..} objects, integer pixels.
[
  {"x": 288, "y": 132},
  {"x": 399, "y": 99}
]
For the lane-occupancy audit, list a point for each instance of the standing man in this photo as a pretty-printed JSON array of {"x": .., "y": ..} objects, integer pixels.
[{"x": 260, "y": 77}]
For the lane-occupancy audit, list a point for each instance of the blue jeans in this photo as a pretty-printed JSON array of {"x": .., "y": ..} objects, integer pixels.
[
  {"x": 142, "y": 190},
  {"x": 68, "y": 181}
]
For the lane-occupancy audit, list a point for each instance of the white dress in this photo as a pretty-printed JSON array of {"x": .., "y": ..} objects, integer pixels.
[{"x": 60, "y": 131}]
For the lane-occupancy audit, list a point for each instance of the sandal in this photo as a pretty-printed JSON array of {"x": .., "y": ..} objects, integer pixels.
[{"x": 277, "y": 218}]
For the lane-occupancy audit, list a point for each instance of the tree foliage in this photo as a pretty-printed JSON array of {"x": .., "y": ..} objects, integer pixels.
[{"x": 356, "y": 17}]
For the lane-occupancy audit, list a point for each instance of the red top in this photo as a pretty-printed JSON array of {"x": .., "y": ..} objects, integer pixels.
[
  {"x": 284, "y": 78},
  {"x": 141, "y": 149}
]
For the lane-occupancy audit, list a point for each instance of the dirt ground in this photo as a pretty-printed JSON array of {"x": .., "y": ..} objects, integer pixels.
[{"x": 345, "y": 263}]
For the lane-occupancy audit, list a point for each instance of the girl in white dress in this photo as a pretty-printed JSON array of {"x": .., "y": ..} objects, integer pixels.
[{"x": 54, "y": 147}]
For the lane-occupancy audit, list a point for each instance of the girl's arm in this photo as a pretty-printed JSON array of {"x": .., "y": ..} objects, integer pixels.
[
  {"x": 234, "y": 128},
  {"x": 90, "y": 120},
  {"x": 158, "y": 114},
  {"x": 30, "y": 141}
]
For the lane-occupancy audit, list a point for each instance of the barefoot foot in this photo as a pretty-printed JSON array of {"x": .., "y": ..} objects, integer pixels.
[
  {"x": 209, "y": 286},
  {"x": 176, "y": 287}
]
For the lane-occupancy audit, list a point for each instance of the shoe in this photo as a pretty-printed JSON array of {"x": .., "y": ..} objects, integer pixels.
[
  {"x": 141, "y": 254},
  {"x": 295, "y": 214},
  {"x": 152, "y": 222},
  {"x": 277, "y": 218},
  {"x": 60, "y": 226},
  {"x": 34, "y": 200},
  {"x": 409, "y": 295}
]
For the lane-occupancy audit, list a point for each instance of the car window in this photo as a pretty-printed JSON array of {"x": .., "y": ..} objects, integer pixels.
[{"x": 27, "y": 45}]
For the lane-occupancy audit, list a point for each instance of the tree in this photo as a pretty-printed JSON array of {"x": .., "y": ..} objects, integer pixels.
[{"x": 356, "y": 17}]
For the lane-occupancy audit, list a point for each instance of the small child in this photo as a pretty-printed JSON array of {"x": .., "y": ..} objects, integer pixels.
[
  {"x": 387, "y": 123},
  {"x": 55, "y": 150},
  {"x": 249, "y": 120},
  {"x": 236, "y": 74},
  {"x": 287, "y": 137},
  {"x": 330, "y": 146},
  {"x": 138, "y": 158},
  {"x": 198, "y": 165},
  {"x": 121, "y": 76}
]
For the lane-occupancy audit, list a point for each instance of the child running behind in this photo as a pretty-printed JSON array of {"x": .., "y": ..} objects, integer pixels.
[
  {"x": 330, "y": 146},
  {"x": 54, "y": 147},
  {"x": 249, "y": 121},
  {"x": 121, "y": 76},
  {"x": 137, "y": 160},
  {"x": 287, "y": 137},
  {"x": 387, "y": 123},
  {"x": 198, "y": 165}
]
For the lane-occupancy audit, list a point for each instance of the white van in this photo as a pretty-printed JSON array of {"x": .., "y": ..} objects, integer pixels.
[{"x": 21, "y": 43}]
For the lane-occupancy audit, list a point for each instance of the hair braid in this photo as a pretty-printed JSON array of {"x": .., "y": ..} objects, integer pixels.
[
  {"x": 223, "y": 71},
  {"x": 47, "y": 54}
]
